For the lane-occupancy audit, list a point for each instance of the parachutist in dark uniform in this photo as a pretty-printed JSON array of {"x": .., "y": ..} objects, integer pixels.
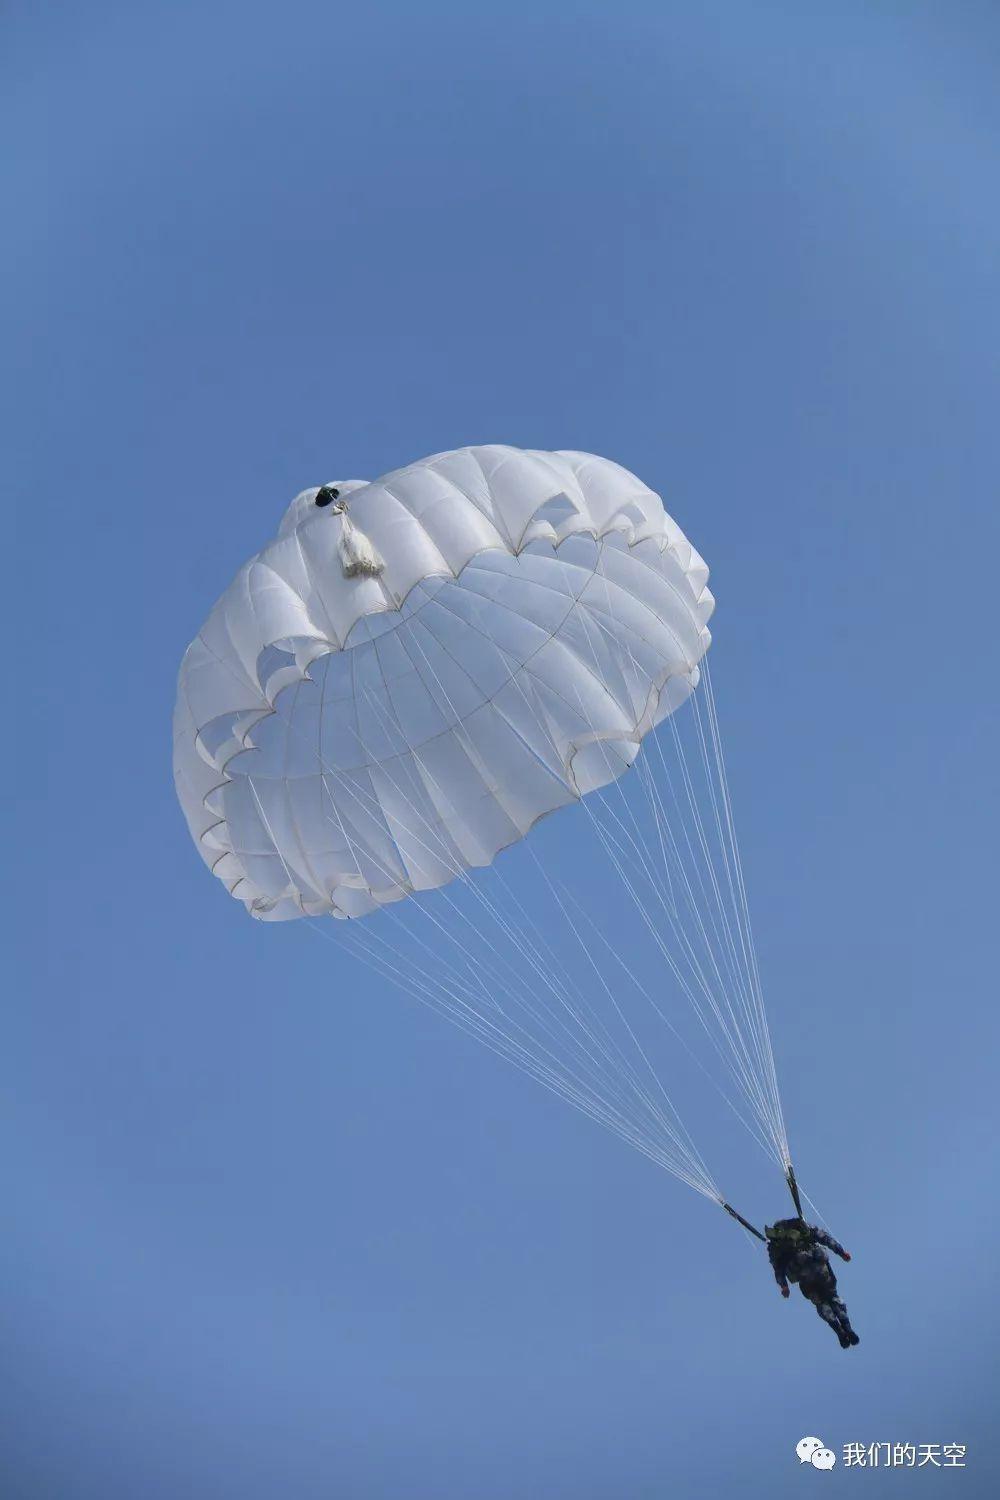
[{"x": 797, "y": 1252}]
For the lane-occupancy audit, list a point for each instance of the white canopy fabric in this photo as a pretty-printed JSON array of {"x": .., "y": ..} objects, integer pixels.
[{"x": 342, "y": 742}]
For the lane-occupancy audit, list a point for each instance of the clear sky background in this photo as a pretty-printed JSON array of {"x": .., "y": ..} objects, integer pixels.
[{"x": 271, "y": 1229}]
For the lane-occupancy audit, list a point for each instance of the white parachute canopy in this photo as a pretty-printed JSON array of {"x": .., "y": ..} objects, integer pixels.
[{"x": 405, "y": 680}]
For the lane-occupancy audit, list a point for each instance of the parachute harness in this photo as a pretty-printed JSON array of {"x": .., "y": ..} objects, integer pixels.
[{"x": 793, "y": 1188}]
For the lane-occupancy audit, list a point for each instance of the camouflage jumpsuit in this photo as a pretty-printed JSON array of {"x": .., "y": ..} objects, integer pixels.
[{"x": 796, "y": 1252}]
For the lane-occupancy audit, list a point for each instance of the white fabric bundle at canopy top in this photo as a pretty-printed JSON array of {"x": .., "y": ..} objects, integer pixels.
[{"x": 361, "y": 740}]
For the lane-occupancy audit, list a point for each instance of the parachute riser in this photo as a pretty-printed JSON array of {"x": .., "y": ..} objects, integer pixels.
[
  {"x": 793, "y": 1188},
  {"x": 746, "y": 1224}
]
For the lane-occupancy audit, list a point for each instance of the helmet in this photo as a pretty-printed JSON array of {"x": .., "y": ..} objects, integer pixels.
[{"x": 787, "y": 1229}]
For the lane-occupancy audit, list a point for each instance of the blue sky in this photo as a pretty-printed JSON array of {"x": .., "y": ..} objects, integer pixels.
[{"x": 272, "y": 1229}]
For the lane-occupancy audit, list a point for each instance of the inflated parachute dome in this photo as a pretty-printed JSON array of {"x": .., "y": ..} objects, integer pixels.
[{"x": 402, "y": 682}]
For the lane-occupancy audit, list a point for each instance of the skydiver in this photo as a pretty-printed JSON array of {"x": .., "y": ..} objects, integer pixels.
[{"x": 796, "y": 1252}]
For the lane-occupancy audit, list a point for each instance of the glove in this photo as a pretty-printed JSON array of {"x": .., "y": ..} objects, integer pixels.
[
  {"x": 847, "y": 1255},
  {"x": 784, "y": 1291}
]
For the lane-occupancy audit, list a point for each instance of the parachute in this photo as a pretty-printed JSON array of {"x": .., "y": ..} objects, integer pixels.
[{"x": 412, "y": 675}]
